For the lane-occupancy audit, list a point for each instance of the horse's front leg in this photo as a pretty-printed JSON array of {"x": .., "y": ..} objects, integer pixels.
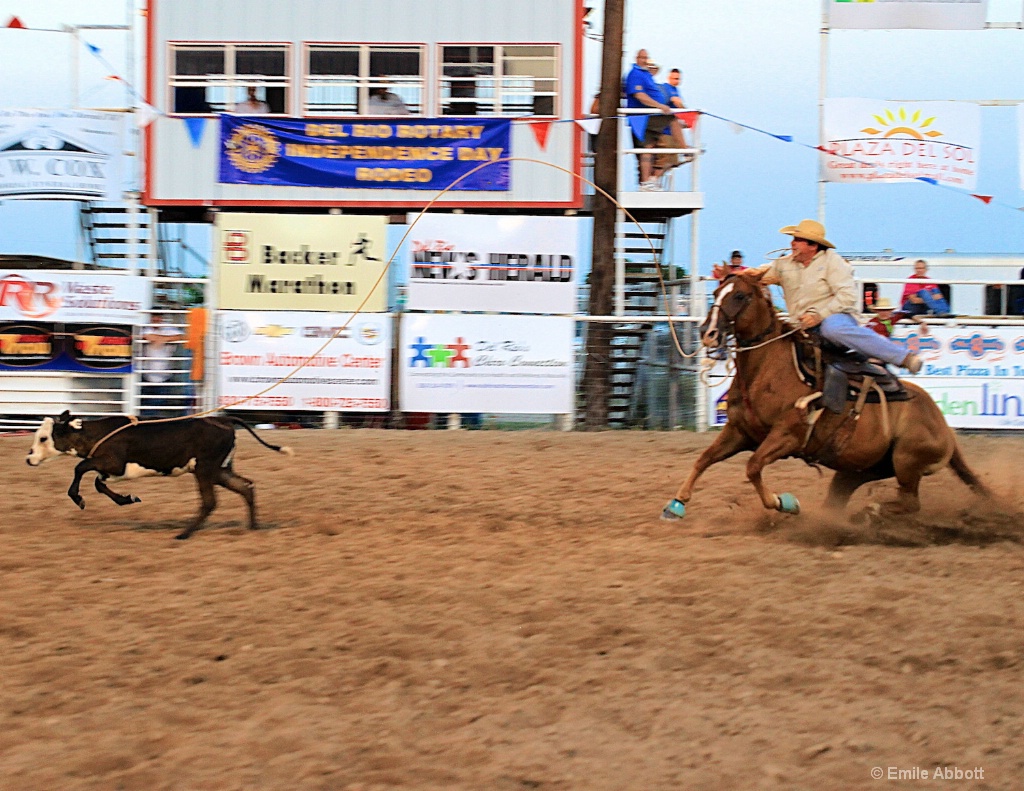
[
  {"x": 730, "y": 442},
  {"x": 784, "y": 440}
]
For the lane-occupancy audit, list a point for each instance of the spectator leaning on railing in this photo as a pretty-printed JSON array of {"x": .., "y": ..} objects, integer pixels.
[{"x": 641, "y": 91}]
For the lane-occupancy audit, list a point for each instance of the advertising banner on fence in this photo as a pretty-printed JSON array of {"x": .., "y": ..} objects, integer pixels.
[
  {"x": 872, "y": 141},
  {"x": 301, "y": 262},
  {"x": 72, "y": 296},
  {"x": 352, "y": 373},
  {"x": 494, "y": 263},
  {"x": 923, "y": 14},
  {"x": 60, "y": 154},
  {"x": 424, "y": 154},
  {"x": 30, "y": 347},
  {"x": 504, "y": 364},
  {"x": 975, "y": 375}
]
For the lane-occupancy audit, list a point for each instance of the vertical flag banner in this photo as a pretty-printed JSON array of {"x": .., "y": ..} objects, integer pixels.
[
  {"x": 873, "y": 141},
  {"x": 921, "y": 14}
]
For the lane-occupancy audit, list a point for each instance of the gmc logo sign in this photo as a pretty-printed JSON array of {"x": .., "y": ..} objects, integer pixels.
[{"x": 236, "y": 247}]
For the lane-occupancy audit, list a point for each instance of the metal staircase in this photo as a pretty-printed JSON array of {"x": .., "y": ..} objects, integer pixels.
[{"x": 116, "y": 235}]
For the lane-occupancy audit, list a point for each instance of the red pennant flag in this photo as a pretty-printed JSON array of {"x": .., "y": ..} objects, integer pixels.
[
  {"x": 982, "y": 198},
  {"x": 15, "y": 24},
  {"x": 688, "y": 117},
  {"x": 540, "y": 131}
]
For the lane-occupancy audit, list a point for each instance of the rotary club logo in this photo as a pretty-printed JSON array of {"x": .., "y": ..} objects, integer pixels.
[{"x": 253, "y": 148}]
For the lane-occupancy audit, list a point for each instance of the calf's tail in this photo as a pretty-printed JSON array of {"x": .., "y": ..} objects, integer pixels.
[{"x": 279, "y": 448}]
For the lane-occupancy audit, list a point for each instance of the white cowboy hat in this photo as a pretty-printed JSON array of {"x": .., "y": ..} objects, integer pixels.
[
  {"x": 811, "y": 230},
  {"x": 882, "y": 303}
]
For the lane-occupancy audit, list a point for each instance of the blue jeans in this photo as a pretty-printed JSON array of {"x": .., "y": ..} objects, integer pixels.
[{"x": 843, "y": 329}]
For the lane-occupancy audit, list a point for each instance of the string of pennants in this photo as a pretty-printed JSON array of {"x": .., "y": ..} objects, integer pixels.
[{"x": 145, "y": 114}]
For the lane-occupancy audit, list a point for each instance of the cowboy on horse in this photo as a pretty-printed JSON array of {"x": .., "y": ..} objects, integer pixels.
[
  {"x": 879, "y": 429},
  {"x": 819, "y": 289}
]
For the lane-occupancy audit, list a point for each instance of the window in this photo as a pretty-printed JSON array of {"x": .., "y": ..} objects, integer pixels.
[
  {"x": 499, "y": 80},
  {"x": 215, "y": 78},
  {"x": 363, "y": 79}
]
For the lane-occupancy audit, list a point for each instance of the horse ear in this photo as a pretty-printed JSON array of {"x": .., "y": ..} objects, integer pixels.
[{"x": 755, "y": 276}]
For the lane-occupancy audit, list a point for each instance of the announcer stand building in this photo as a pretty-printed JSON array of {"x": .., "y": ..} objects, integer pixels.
[{"x": 301, "y": 196}]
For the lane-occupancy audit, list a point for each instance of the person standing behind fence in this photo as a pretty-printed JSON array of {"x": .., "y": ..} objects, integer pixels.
[{"x": 157, "y": 391}]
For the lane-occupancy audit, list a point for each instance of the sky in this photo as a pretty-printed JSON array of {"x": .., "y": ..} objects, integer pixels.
[{"x": 756, "y": 62}]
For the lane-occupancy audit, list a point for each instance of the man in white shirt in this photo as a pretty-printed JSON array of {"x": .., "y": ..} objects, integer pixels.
[
  {"x": 819, "y": 289},
  {"x": 252, "y": 105},
  {"x": 158, "y": 369}
]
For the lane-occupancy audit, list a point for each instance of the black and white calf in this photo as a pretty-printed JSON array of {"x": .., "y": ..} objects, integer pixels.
[{"x": 201, "y": 446}]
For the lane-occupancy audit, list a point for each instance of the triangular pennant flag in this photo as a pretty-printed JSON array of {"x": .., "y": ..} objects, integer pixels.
[
  {"x": 590, "y": 125},
  {"x": 113, "y": 77},
  {"x": 195, "y": 130},
  {"x": 783, "y": 138},
  {"x": 925, "y": 179},
  {"x": 145, "y": 114},
  {"x": 688, "y": 117},
  {"x": 983, "y": 198},
  {"x": 92, "y": 48},
  {"x": 540, "y": 131},
  {"x": 15, "y": 24},
  {"x": 737, "y": 129}
]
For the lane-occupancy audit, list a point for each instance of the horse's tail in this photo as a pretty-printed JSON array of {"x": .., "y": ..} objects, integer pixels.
[
  {"x": 965, "y": 473},
  {"x": 279, "y": 448}
]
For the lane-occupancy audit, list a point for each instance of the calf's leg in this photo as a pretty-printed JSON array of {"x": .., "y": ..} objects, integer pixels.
[
  {"x": 204, "y": 480},
  {"x": 243, "y": 486},
  {"x": 120, "y": 499},
  {"x": 84, "y": 466}
]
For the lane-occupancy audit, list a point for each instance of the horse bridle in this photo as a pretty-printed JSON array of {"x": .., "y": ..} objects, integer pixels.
[{"x": 730, "y": 320}]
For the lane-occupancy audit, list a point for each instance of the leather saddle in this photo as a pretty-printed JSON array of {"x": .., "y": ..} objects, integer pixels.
[{"x": 843, "y": 375}]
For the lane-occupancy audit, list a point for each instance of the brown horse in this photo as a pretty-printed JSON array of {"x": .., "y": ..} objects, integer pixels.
[{"x": 906, "y": 439}]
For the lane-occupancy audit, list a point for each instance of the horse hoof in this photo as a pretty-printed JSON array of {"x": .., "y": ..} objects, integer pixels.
[
  {"x": 788, "y": 504},
  {"x": 674, "y": 510}
]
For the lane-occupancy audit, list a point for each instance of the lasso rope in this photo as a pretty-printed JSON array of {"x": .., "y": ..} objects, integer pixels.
[{"x": 134, "y": 420}]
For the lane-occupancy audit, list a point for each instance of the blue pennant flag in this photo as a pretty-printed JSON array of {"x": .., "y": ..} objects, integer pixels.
[
  {"x": 195, "y": 130},
  {"x": 927, "y": 180},
  {"x": 93, "y": 49}
]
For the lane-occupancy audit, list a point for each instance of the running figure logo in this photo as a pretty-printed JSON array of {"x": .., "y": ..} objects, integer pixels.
[{"x": 361, "y": 249}]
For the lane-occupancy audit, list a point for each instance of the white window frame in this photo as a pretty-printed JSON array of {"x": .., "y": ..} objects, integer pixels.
[
  {"x": 230, "y": 81},
  {"x": 364, "y": 81},
  {"x": 503, "y": 85}
]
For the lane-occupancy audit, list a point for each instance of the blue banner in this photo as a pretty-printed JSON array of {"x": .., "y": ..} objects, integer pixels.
[{"x": 423, "y": 154}]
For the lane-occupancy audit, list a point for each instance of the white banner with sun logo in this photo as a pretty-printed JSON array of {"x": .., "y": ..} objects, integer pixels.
[{"x": 872, "y": 141}]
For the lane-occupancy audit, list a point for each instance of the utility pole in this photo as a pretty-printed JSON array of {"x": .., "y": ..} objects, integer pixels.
[{"x": 597, "y": 369}]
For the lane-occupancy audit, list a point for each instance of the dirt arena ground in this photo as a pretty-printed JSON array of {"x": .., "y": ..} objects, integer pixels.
[{"x": 487, "y": 610}]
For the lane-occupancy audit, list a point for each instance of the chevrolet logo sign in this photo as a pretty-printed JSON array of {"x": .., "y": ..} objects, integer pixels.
[{"x": 274, "y": 331}]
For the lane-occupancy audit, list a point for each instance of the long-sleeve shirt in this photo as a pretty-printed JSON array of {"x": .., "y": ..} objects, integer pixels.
[{"x": 825, "y": 285}]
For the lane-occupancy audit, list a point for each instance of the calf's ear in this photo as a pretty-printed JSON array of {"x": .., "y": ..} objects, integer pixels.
[{"x": 65, "y": 416}]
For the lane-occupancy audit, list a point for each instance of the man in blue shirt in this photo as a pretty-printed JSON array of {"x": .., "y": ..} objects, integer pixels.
[{"x": 641, "y": 90}]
